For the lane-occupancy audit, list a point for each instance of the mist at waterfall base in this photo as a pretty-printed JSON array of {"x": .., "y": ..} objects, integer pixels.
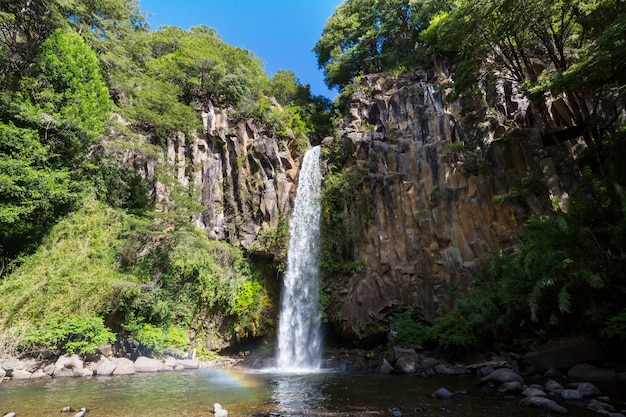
[{"x": 299, "y": 329}]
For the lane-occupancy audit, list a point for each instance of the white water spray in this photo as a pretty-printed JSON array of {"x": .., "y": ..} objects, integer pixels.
[{"x": 299, "y": 335}]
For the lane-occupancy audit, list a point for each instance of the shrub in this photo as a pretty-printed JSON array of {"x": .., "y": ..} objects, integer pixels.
[{"x": 73, "y": 335}]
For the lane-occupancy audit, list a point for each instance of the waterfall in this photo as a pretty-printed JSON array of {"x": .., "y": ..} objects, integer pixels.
[{"x": 299, "y": 335}]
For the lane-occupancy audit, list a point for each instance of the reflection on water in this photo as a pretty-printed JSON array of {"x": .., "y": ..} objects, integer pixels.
[{"x": 192, "y": 393}]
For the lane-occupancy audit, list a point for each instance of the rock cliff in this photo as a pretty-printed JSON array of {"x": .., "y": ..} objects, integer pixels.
[
  {"x": 243, "y": 177},
  {"x": 436, "y": 208}
]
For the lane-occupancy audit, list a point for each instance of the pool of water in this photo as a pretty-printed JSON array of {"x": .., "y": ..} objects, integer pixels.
[{"x": 249, "y": 393}]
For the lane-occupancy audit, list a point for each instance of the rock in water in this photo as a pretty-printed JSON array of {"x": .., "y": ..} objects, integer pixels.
[
  {"x": 67, "y": 409},
  {"x": 9, "y": 415},
  {"x": 219, "y": 410}
]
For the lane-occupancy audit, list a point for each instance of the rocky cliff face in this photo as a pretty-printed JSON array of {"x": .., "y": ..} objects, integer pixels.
[
  {"x": 244, "y": 178},
  {"x": 437, "y": 209}
]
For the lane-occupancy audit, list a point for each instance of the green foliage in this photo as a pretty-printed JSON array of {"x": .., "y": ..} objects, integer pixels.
[
  {"x": 406, "y": 329},
  {"x": 65, "y": 97},
  {"x": 82, "y": 335},
  {"x": 171, "y": 340},
  {"x": 76, "y": 265},
  {"x": 32, "y": 194},
  {"x": 368, "y": 36},
  {"x": 345, "y": 213},
  {"x": 558, "y": 283}
]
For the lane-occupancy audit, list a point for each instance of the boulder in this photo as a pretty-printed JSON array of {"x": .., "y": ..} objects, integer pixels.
[
  {"x": 188, "y": 363},
  {"x": 400, "y": 352},
  {"x": 587, "y": 389},
  {"x": 588, "y": 372},
  {"x": 404, "y": 365},
  {"x": 105, "y": 367},
  {"x": 3, "y": 373},
  {"x": 502, "y": 375},
  {"x": 145, "y": 364},
  {"x": 571, "y": 395},
  {"x": 427, "y": 363},
  {"x": 442, "y": 394},
  {"x": 68, "y": 366},
  {"x": 484, "y": 371},
  {"x": 564, "y": 353},
  {"x": 545, "y": 403},
  {"x": 553, "y": 386},
  {"x": 384, "y": 368},
  {"x": 452, "y": 370},
  {"x": 40, "y": 374},
  {"x": 123, "y": 366},
  {"x": 510, "y": 387},
  {"x": 600, "y": 406},
  {"x": 17, "y": 374},
  {"x": 534, "y": 392}
]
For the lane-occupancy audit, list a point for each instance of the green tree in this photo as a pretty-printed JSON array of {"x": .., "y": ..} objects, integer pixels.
[
  {"x": 368, "y": 36},
  {"x": 65, "y": 97}
]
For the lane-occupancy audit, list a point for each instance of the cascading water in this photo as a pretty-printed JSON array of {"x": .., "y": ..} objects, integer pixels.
[{"x": 299, "y": 335}]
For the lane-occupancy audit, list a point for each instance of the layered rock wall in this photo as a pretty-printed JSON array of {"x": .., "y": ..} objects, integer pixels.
[
  {"x": 437, "y": 209},
  {"x": 244, "y": 178}
]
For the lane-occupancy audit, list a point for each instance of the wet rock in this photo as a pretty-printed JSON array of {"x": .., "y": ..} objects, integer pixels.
[
  {"x": 600, "y": 406},
  {"x": 452, "y": 370},
  {"x": 591, "y": 373},
  {"x": 219, "y": 411},
  {"x": 11, "y": 414},
  {"x": 534, "y": 392},
  {"x": 384, "y": 368},
  {"x": 427, "y": 363},
  {"x": 553, "y": 373},
  {"x": 81, "y": 412},
  {"x": 553, "y": 386},
  {"x": 404, "y": 365},
  {"x": 396, "y": 412},
  {"x": 67, "y": 409},
  {"x": 544, "y": 403},
  {"x": 571, "y": 395},
  {"x": 484, "y": 371},
  {"x": 587, "y": 389},
  {"x": 442, "y": 394},
  {"x": 400, "y": 352},
  {"x": 502, "y": 375},
  {"x": 510, "y": 387}
]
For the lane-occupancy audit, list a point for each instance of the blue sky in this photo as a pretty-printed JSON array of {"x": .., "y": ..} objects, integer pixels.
[{"x": 281, "y": 32}]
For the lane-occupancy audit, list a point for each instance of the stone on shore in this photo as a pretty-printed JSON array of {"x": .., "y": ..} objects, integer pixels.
[
  {"x": 188, "y": 363},
  {"x": 502, "y": 375},
  {"x": 510, "y": 387},
  {"x": 588, "y": 372},
  {"x": 145, "y": 364},
  {"x": 404, "y": 365},
  {"x": 571, "y": 395},
  {"x": 400, "y": 352},
  {"x": 104, "y": 367},
  {"x": 68, "y": 366},
  {"x": 587, "y": 389},
  {"x": 553, "y": 386},
  {"x": 452, "y": 370},
  {"x": 123, "y": 366},
  {"x": 545, "y": 403},
  {"x": 384, "y": 368},
  {"x": 534, "y": 392},
  {"x": 18, "y": 374}
]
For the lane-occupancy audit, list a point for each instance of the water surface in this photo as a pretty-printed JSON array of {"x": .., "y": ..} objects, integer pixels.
[{"x": 246, "y": 393}]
